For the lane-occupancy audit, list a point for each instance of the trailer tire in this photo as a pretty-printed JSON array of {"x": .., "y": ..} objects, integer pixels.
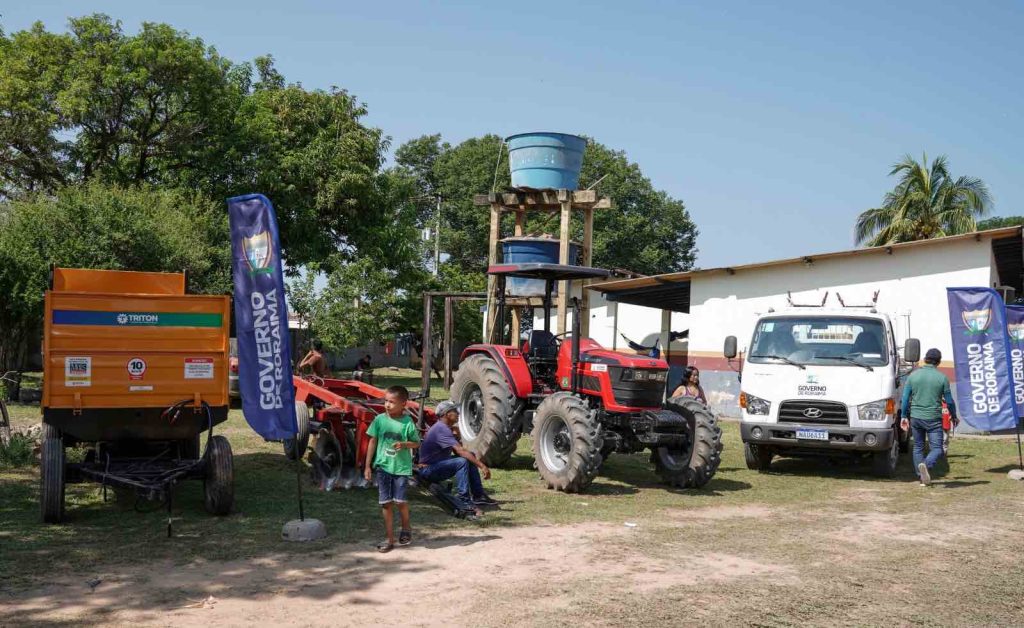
[
  {"x": 219, "y": 479},
  {"x": 486, "y": 423},
  {"x": 294, "y": 448},
  {"x": 566, "y": 442},
  {"x": 758, "y": 457},
  {"x": 51, "y": 499},
  {"x": 704, "y": 453}
]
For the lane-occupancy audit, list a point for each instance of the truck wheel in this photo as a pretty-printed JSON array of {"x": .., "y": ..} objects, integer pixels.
[
  {"x": 884, "y": 462},
  {"x": 219, "y": 479},
  {"x": 295, "y": 447},
  {"x": 566, "y": 442},
  {"x": 758, "y": 457},
  {"x": 485, "y": 410},
  {"x": 694, "y": 465},
  {"x": 52, "y": 475}
]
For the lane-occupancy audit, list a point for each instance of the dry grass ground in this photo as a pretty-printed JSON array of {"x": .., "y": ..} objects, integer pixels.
[{"x": 809, "y": 544}]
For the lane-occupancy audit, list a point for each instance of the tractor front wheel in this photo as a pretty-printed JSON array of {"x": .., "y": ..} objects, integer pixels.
[
  {"x": 694, "y": 465},
  {"x": 566, "y": 442},
  {"x": 52, "y": 475},
  {"x": 486, "y": 404}
]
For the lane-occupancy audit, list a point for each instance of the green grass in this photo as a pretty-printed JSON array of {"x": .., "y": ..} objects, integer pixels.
[{"x": 807, "y": 501}]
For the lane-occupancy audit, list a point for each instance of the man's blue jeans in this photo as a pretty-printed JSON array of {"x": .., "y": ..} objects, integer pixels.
[
  {"x": 467, "y": 476},
  {"x": 932, "y": 430}
]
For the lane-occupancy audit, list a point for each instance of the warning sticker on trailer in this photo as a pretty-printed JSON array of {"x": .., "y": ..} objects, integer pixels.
[
  {"x": 198, "y": 368},
  {"x": 77, "y": 371},
  {"x": 136, "y": 368}
]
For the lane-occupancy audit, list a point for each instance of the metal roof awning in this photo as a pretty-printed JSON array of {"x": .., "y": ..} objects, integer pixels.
[
  {"x": 671, "y": 291},
  {"x": 548, "y": 272}
]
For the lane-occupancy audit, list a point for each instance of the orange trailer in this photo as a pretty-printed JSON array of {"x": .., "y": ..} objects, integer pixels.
[{"x": 137, "y": 369}]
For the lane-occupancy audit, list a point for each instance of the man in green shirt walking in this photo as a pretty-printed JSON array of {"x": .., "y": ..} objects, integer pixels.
[{"x": 923, "y": 393}]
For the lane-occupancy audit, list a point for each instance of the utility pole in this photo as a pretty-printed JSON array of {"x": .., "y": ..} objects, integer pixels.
[{"x": 437, "y": 236}]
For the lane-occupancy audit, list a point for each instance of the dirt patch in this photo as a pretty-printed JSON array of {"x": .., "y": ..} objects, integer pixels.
[
  {"x": 721, "y": 513},
  {"x": 431, "y": 580},
  {"x": 874, "y": 528}
]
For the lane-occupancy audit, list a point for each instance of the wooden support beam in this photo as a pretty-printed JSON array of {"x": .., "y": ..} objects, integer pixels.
[
  {"x": 588, "y": 256},
  {"x": 564, "y": 234},
  {"x": 543, "y": 199},
  {"x": 448, "y": 324},
  {"x": 493, "y": 257},
  {"x": 666, "y": 325}
]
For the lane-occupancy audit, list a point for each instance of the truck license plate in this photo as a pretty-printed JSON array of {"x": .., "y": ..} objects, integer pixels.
[{"x": 812, "y": 434}]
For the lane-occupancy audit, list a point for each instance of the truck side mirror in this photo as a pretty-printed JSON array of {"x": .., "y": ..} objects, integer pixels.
[
  {"x": 730, "y": 347},
  {"x": 912, "y": 350}
]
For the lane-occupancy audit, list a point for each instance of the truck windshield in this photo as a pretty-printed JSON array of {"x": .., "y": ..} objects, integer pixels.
[{"x": 835, "y": 341}]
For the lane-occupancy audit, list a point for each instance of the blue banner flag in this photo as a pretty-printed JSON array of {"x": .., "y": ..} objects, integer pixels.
[
  {"x": 261, "y": 318},
  {"x": 1015, "y": 330},
  {"x": 981, "y": 354}
]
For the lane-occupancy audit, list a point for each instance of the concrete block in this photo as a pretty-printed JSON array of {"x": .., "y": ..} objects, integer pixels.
[
  {"x": 304, "y": 530},
  {"x": 1015, "y": 474}
]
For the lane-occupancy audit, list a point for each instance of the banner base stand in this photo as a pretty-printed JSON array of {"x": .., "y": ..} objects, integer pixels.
[{"x": 304, "y": 530}]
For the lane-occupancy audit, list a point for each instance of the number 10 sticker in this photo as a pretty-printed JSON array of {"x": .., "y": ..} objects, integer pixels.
[{"x": 136, "y": 368}]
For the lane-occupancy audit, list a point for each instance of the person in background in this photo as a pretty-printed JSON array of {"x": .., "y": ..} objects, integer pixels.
[
  {"x": 363, "y": 372},
  {"x": 690, "y": 386},
  {"x": 923, "y": 393},
  {"x": 393, "y": 436},
  {"x": 315, "y": 361},
  {"x": 438, "y": 464}
]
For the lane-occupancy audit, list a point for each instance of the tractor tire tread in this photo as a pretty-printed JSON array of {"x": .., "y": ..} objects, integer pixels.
[
  {"x": 498, "y": 436},
  {"x": 585, "y": 460},
  {"x": 706, "y": 449}
]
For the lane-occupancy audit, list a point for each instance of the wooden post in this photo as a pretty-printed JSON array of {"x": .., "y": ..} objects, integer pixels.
[
  {"x": 666, "y": 324},
  {"x": 517, "y": 311},
  {"x": 447, "y": 343},
  {"x": 428, "y": 302},
  {"x": 588, "y": 256},
  {"x": 564, "y": 235},
  {"x": 492, "y": 258}
]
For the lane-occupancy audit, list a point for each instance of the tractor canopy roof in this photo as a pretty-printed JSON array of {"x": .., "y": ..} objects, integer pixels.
[{"x": 547, "y": 272}]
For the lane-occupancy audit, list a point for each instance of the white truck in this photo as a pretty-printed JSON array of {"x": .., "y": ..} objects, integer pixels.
[{"x": 823, "y": 381}]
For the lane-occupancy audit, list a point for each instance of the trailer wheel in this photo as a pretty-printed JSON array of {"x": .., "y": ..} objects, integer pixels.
[
  {"x": 695, "y": 465},
  {"x": 52, "y": 475},
  {"x": 485, "y": 403},
  {"x": 295, "y": 447},
  {"x": 566, "y": 442},
  {"x": 219, "y": 479},
  {"x": 758, "y": 457}
]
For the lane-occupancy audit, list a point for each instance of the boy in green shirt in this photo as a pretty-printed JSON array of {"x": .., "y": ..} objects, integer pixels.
[{"x": 393, "y": 436}]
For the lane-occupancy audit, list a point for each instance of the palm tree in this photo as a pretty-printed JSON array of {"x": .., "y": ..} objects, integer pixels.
[{"x": 926, "y": 203}]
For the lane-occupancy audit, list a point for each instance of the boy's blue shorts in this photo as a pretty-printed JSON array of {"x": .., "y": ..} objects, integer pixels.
[{"x": 391, "y": 488}]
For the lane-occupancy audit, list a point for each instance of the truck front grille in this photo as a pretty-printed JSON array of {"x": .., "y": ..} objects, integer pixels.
[{"x": 805, "y": 411}]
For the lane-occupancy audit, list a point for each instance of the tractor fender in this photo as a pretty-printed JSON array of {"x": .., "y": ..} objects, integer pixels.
[{"x": 512, "y": 364}]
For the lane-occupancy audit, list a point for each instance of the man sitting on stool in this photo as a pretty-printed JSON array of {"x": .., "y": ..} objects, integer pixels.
[{"x": 437, "y": 463}]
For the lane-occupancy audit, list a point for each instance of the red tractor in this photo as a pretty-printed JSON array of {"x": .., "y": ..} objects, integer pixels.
[{"x": 578, "y": 401}]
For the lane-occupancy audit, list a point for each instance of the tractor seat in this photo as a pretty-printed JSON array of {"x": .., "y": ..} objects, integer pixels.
[{"x": 542, "y": 345}]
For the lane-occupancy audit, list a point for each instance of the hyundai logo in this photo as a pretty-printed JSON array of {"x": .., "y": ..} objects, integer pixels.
[{"x": 813, "y": 413}]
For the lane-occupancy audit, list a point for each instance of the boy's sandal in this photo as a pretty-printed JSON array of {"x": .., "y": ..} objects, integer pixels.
[
  {"x": 384, "y": 546},
  {"x": 405, "y": 537}
]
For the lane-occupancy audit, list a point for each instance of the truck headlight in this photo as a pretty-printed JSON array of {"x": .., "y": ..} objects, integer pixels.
[
  {"x": 875, "y": 411},
  {"x": 755, "y": 405}
]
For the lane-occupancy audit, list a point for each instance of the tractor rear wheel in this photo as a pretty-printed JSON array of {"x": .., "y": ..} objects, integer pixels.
[
  {"x": 566, "y": 442},
  {"x": 694, "y": 465},
  {"x": 52, "y": 475},
  {"x": 486, "y": 403},
  {"x": 294, "y": 448},
  {"x": 219, "y": 480},
  {"x": 758, "y": 457}
]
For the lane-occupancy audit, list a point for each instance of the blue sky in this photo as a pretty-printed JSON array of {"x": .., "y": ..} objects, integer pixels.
[{"x": 775, "y": 124}]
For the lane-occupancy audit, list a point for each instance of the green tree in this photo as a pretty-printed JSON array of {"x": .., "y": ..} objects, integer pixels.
[
  {"x": 648, "y": 231},
  {"x": 998, "y": 222},
  {"x": 103, "y": 227},
  {"x": 927, "y": 202}
]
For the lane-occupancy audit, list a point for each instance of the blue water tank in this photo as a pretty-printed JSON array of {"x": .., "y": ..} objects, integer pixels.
[
  {"x": 521, "y": 250},
  {"x": 545, "y": 160}
]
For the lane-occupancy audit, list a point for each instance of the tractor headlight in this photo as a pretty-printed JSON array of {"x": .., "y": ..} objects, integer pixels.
[
  {"x": 755, "y": 405},
  {"x": 875, "y": 411}
]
